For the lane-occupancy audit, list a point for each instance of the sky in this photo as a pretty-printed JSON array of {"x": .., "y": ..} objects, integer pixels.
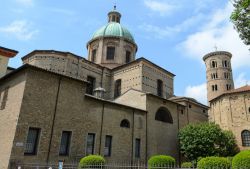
[{"x": 175, "y": 34}]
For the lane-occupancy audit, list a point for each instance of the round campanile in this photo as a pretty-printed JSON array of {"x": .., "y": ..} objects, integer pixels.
[{"x": 218, "y": 73}]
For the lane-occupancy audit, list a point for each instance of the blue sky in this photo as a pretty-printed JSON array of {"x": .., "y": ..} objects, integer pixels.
[{"x": 174, "y": 34}]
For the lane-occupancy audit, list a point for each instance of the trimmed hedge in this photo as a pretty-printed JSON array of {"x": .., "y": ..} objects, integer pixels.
[
  {"x": 161, "y": 161},
  {"x": 241, "y": 160},
  {"x": 186, "y": 165},
  {"x": 91, "y": 160},
  {"x": 230, "y": 159},
  {"x": 214, "y": 162}
]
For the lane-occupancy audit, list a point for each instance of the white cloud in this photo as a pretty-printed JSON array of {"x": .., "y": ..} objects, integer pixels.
[
  {"x": 26, "y": 3},
  {"x": 198, "y": 92},
  {"x": 218, "y": 31},
  {"x": 163, "y": 32},
  {"x": 163, "y": 8},
  {"x": 241, "y": 81},
  {"x": 20, "y": 29},
  {"x": 158, "y": 32}
]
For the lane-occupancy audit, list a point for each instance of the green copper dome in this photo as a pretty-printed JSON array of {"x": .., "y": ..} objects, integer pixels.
[{"x": 113, "y": 29}]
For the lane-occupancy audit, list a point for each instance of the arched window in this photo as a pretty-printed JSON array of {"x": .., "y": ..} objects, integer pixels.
[
  {"x": 163, "y": 115},
  {"x": 245, "y": 136},
  {"x": 214, "y": 64},
  {"x": 224, "y": 63},
  {"x": 125, "y": 123}
]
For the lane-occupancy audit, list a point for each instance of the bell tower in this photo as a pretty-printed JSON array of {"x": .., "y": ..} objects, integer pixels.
[{"x": 218, "y": 73}]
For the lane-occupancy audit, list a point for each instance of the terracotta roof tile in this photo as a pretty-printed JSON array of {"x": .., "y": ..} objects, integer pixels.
[
  {"x": 238, "y": 90},
  {"x": 241, "y": 89}
]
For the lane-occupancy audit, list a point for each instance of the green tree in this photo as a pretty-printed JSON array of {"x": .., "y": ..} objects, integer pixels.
[
  {"x": 241, "y": 19},
  {"x": 206, "y": 139}
]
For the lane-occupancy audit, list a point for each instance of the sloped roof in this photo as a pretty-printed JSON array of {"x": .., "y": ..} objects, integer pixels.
[
  {"x": 7, "y": 52},
  {"x": 242, "y": 89}
]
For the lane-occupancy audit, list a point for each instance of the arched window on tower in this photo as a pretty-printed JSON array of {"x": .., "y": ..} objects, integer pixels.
[
  {"x": 164, "y": 115},
  {"x": 226, "y": 75},
  {"x": 117, "y": 91},
  {"x": 215, "y": 87},
  {"x": 125, "y": 123},
  {"x": 245, "y": 136},
  {"x": 214, "y": 64}
]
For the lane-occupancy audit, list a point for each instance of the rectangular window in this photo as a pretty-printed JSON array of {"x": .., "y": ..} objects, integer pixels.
[
  {"x": 137, "y": 147},
  {"x": 90, "y": 144},
  {"x": 93, "y": 57},
  {"x": 5, "y": 98},
  {"x": 32, "y": 141},
  {"x": 91, "y": 85},
  {"x": 108, "y": 145},
  {"x": 128, "y": 53},
  {"x": 65, "y": 143},
  {"x": 117, "y": 91},
  {"x": 110, "y": 53},
  {"x": 159, "y": 87}
]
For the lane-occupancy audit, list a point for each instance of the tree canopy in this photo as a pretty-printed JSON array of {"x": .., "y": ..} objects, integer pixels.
[
  {"x": 241, "y": 19},
  {"x": 206, "y": 139}
]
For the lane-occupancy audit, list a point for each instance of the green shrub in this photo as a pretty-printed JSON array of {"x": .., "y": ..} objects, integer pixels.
[
  {"x": 230, "y": 159},
  {"x": 241, "y": 160},
  {"x": 186, "y": 165},
  {"x": 161, "y": 161},
  {"x": 91, "y": 160},
  {"x": 214, "y": 163}
]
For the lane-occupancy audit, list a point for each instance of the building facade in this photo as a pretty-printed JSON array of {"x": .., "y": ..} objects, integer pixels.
[
  {"x": 60, "y": 106},
  {"x": 5, "y": 55},
  {"x": 229, "y": 107}
]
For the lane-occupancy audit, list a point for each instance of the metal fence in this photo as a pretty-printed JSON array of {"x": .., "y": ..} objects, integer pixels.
[
  {"x": 138, "y": 165},
  {"x": 105, "y": 166}
]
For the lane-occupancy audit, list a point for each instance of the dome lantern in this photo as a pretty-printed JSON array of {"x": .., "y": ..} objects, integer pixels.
[{"x": 114, "y": 16}]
